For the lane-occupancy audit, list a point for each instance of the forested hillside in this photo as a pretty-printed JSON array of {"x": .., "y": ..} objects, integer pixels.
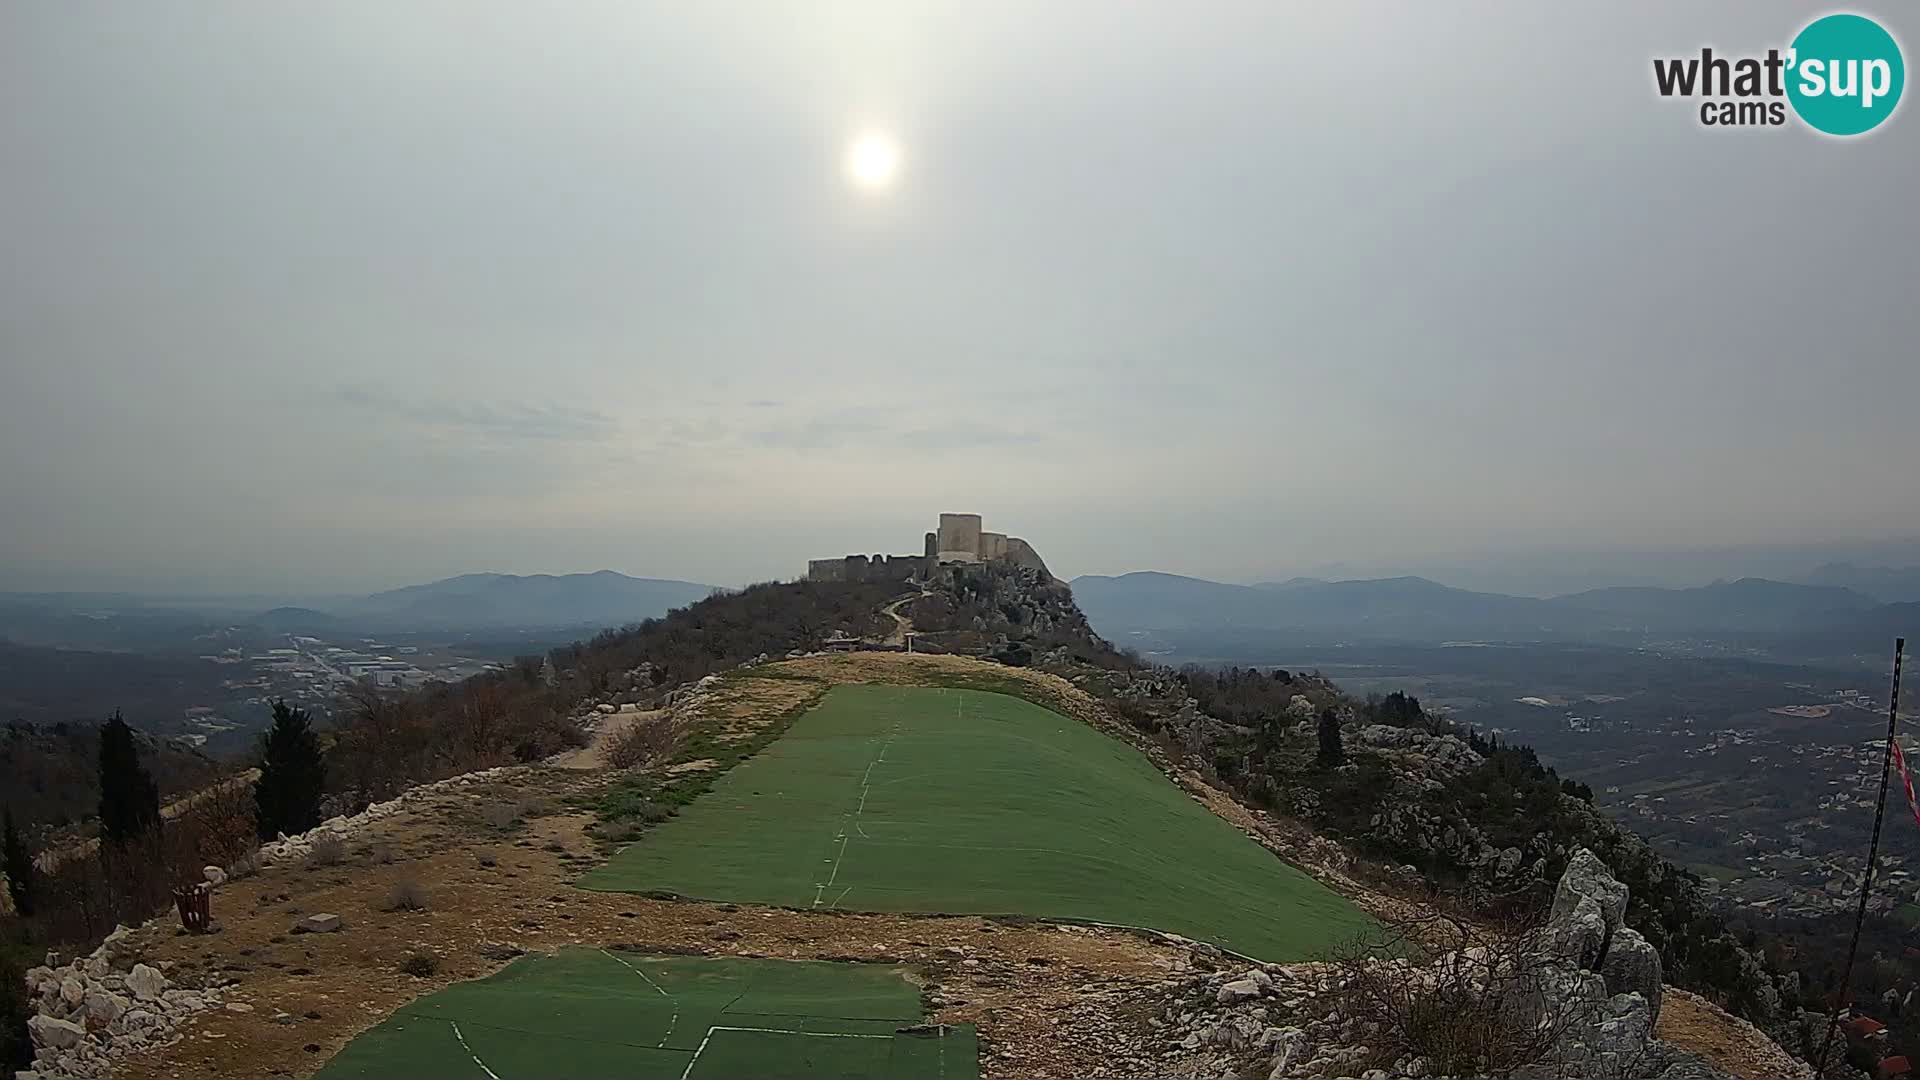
[{"x": 49, "y": 773}]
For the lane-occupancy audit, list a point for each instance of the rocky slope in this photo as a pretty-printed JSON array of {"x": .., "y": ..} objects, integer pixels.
[
  {"x": 1578, "y": 997},
  {"x": 1418, "y": 805}
]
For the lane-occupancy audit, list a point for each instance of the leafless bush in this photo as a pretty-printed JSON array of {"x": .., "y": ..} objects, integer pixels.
[
  {"x": 406, "y": 895},
  {"x": 86, "y": 893},
  {"x": 217, "y": 827},
  {"x": 534, "y": 807},
  {"x": 499, "y": 815},
  {"x": 420, "y": 964},
  {"x": 644, "y": 742},
  {"x": 328, "y": 850},
  {"x": 1468, "y": 998}
]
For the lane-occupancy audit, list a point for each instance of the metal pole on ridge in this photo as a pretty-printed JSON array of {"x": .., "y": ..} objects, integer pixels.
[{"x": 1873, "y": 853}]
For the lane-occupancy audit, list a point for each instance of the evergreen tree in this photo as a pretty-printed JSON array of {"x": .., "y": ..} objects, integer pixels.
[
  {"x": 292, "y": 775},
  {"x": 18, "y": 862},
  {"x": 16, "y": 1042},
  {"x": 129, "y": 799},
  {"x": 1332, "y": 753}
]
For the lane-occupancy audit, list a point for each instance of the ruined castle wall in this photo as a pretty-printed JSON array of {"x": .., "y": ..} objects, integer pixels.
[
  {"x": 827, "y": 569},
  {"x": 1021, "y": 553},
  {"x": 861, "y": 568},
  {"x": 959, "y": 539},
  {"x": 894, "y": 567}
]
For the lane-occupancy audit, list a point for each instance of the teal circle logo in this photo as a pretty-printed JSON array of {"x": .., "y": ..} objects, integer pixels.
[{"x": 1845, "y": 74}]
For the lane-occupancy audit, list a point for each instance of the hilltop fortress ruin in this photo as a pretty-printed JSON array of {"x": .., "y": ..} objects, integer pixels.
[{"x": 959, "y": 539}]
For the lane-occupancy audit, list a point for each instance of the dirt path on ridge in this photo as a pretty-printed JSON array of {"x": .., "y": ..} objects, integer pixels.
[
  {"x": 902, "y": 626},
  {"x": 594, "y": 754}
]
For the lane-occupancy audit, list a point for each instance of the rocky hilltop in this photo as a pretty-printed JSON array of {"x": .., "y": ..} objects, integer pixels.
[{"x": 1447, "y": 838}]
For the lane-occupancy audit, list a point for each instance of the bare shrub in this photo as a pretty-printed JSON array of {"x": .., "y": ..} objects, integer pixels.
[
  {"x": 420, "y": 964},
  {"x": 499, "y": 815},
  {"x": 406, "y": 895},
  {"x": 644, "y": 742},
  {"x": 1468, "y": 998},
  {"x": 328, "y": 850},
  {"x": 545, "y": 734},
  {"x": 535, "y": 807},
  {"x": 218, "y": 824},
  {"x": 244, "y": 865},
  {"x": 84, "y": 895}
]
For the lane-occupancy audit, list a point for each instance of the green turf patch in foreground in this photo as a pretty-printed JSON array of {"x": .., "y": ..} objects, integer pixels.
[
  {"x": 890, "y": 798},
  {"x": 595, "y": 1013}
]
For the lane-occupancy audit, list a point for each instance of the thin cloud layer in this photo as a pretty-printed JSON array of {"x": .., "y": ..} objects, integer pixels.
[{"x": 349, "y": 296}]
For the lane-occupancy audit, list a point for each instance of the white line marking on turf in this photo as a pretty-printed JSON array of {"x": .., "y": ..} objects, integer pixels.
[
  {"x": 820, "y": 889},
  {"x": 469, "y": 1050},
  {"x": 866, "y": 784},
  {"x": 688, "y": 1071},
  {"x": 663, "y": 993}
]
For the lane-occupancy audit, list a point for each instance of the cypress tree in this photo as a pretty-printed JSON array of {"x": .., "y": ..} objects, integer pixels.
[
  {"x": 1332, "y": 753},
  {"x": 19, "y": 866},
  {"x": 293, "y": 775},
  {"x": 129, "y": 799}
]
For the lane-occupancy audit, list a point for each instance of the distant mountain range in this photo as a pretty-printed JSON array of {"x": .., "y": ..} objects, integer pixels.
[
  {"x": 469, "y": 603},
  {"x": 1406, "y": 608},
  {"x": 1747, "y": 604},
  {"x": 1888, "y": 584},
  {"x": 512, "y": 601},
  {"x": 1413, "y": 609}
]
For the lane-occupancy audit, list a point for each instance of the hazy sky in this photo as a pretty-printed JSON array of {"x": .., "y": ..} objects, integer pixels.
[{"x": 348, "y": 295}]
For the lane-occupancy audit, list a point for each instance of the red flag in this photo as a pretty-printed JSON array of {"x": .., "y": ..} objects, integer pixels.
[{"x": 1906, "y": 778}]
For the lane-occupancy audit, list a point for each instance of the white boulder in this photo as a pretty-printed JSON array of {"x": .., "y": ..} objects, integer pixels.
[
  {"x": 146, "y": 982},
  {"x": 55, "y": 1034}
]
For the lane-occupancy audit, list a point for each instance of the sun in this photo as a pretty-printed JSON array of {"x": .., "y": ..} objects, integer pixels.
[{"x": 872, "y": 160}]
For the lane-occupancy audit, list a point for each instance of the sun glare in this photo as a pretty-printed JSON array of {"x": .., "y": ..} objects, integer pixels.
[{"x": 872, "y": 160}]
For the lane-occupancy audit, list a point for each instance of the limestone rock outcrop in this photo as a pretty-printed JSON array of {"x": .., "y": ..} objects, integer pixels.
[{"x": 1586, "y": 977}]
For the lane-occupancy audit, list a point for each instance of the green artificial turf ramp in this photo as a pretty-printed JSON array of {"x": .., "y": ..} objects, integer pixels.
[
  {"x": 596, "y": 1013},
  {"x": 889, "y": 798}
]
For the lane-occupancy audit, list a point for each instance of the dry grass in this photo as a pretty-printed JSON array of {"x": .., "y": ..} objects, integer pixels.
[
  {"x": 499, "y": 815},
  {"x": 1728, "y": 1043},
  {"x": 328, "y": 850},
  {"x": 406, "y": 895}
]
